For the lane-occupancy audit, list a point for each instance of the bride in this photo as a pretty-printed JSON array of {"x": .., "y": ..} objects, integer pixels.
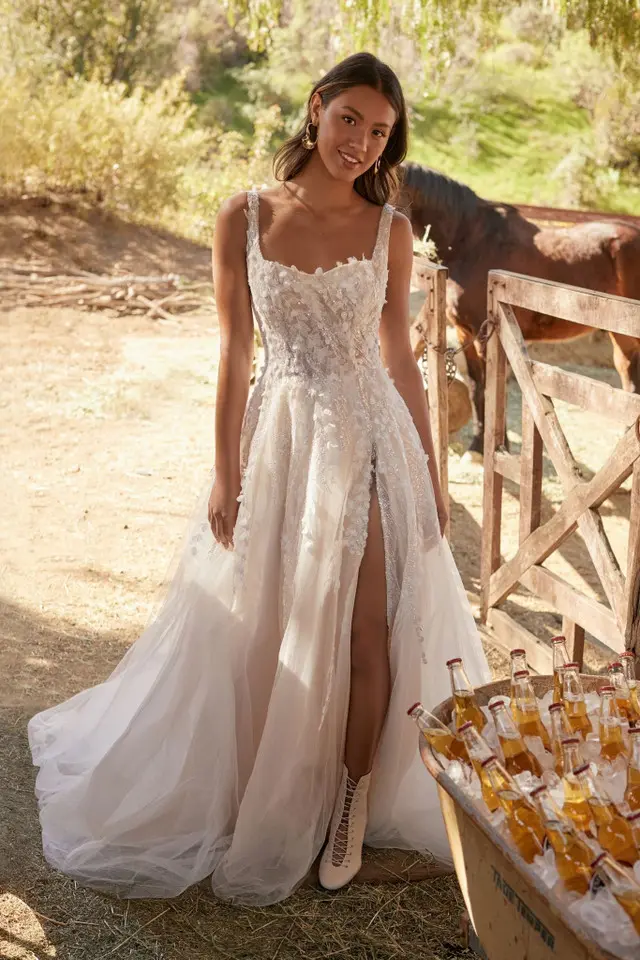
[{"x": 261, "y": 716}]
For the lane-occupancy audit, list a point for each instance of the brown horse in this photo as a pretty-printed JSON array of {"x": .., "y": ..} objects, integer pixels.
[{"x": 474, "y": 236}]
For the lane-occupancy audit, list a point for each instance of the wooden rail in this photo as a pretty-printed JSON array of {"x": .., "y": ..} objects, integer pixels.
[
  {"x": 617, "y": 622},
  {"x": 432, "y": 324}
]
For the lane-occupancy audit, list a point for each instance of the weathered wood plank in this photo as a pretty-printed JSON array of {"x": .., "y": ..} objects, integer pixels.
[
  {"x": 632, "y": 597},
  {"x": 574, "y": 635},
  {"x": 587, "y": 393},
  {"x": 508, "y": 634},
  {"x": 495, "y": 420},
  {"x": 574, "y": 605},
  {"x": 543, "y": 541},
  {"x": 507, "y": 465},
  {"x": 588, "y": 307},
  {"x": 436, "y": 324},
  {"x": 530, "y": 474},
  {"x": 542, "y": 410}
]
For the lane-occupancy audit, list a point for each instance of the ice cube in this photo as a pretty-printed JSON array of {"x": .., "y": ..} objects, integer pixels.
[
  {"x": 608, "y": 923},
  {"x": 614, "y": 778},
  {"x": 527, "y": 782},
  {"x": 545, "y": 867},
  {"x": 536, "y": 746}
]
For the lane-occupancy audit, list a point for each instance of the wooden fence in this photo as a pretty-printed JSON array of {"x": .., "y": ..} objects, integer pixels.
[
  {"x": 431, "y": 325},
  {"x": 616, "y": 623}
]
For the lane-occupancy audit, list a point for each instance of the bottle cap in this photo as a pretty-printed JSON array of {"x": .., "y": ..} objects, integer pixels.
[
  {"x": 598, "y": 859},
  {"x": 632, "y": 817},
  {"x": 615, "y": 665},
  {"x": 411, "y": 709},
  {"x": 634, "y": 729},
  {"x": 520, "y": 673},
  {"x": 465, "y": 726},
  {"x": 558, "y": 639},
  {"x": 607, "y": 688},
  {"x": 541, "y": 789},
  {"x": 628, "y": 655},
  {"x": 581, "y": 769},
  {"x": 570, "y": 740},
  {"x": 573, "y": 664},
  {"x": 559, "y": 705},
  {"x": 517, "y": 652},
  {"x": 455, "y": 660},
  {"x": 489, "y": 760},
  {"x": 496, "y": 704}
]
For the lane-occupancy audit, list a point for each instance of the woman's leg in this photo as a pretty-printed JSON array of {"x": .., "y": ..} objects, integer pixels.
[{"x": 370, "y": 672}]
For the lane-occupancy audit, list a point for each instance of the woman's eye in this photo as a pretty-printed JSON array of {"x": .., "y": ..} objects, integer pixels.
[
  {"x": 379, "y": 133},
  {"x": 350, "y": 119}
]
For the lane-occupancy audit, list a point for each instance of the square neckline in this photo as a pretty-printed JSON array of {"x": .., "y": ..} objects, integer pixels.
[{"x": 319, "y": 271}]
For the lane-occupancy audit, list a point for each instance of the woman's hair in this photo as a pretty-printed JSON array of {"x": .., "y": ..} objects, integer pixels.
[{"x": 358, "y": 70}]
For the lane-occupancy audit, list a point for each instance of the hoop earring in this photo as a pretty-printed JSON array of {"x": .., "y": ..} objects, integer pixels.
[
  {"x": 307, "y": 142},
  {"x": 376, "y": 169}
]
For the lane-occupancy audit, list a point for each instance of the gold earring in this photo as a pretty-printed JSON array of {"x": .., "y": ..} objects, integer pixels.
[
  {"x": 307, "y": 142},
  {"x": 376, "y": 169}
]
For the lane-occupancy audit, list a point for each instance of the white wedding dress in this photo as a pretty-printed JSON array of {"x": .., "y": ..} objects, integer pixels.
[{"x": 216, "y": 745}]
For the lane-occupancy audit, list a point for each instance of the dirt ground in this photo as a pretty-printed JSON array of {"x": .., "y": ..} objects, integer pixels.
[{"x": 106, "y": 441}]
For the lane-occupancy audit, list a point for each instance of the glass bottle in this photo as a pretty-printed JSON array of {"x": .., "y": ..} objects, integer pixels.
[
  {"x": 478, "y": 751},
  {"x": 518, "y": 664},
  {"x": 622, "y": 885},
  {"x": 437, "y": 735},
  {"x": 611, "y": 741},
  {"x": 573, "y": 854},
  {"x": 614, "y": 833},
  {"x": 623, "y": 694},
  {"x": 628, "y": 661},
  {"x": 575, "y": 804},
  {"x": 517, "y": 758},
  {"x": 526, "y": 712},
  {"x": 632, "y": 793},
  {"x": 560, "y": 730},
  {"x": 466, "y": 706},
  {"x": 574, "y": 702},
  {"x": 523, "y": 820},
  {"x": 560, "y": 659}
]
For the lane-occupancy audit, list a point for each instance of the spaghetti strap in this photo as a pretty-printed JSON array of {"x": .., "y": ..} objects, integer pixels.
[
  {"x": 381, "y": 250},
  {"x": 252, "y": 218}
]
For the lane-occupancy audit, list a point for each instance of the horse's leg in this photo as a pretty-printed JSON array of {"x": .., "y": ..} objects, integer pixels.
[
  {"x": 626, "y": 359},
  {"x": 476, "y": 368}
]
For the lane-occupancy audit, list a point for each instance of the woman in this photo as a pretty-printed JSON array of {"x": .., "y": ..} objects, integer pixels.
[{"x": 265, "y": 706}]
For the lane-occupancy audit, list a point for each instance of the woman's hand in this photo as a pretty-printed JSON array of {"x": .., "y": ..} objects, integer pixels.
[
  {"x": 443, "y": 515},
  {"x": 223, "y": 511}
]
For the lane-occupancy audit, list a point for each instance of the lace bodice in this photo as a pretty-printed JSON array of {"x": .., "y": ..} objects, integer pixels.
[{"x": 318, "y": 325}]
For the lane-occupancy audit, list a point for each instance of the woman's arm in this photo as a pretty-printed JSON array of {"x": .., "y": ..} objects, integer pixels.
[
  {"x": 395, "y": 346},
  {"x": 233, "y": 301}
]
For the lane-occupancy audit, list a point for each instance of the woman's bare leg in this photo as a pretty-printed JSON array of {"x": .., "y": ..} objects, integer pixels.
[{"x": 370, "y": 671}]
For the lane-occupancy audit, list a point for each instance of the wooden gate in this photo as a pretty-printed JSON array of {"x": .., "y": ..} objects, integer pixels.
[
  {"x": 616, "y": 623},
  {"x": 431, "y": 324}
]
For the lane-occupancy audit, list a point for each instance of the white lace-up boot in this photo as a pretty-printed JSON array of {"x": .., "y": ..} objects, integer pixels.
[{"x": 342, "y": 857}]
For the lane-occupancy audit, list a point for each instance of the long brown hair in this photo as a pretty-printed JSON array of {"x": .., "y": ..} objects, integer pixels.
[{"x": 358, "y": 70}]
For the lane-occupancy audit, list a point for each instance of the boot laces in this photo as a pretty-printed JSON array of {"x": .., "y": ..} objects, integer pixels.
[{"x": 343, "y": 841}]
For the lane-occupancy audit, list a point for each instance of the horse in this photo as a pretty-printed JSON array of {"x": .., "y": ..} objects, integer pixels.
[{"x": 473, "y": 236}]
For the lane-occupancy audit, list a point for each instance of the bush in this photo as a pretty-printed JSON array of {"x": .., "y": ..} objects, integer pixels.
[{"x": 617, "y": 125}]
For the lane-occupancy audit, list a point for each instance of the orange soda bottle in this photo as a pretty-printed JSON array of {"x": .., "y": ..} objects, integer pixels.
[
  {"x": 560, "y": 730},
  {"x": 526, "y": 713},
  {"x": 618, "y": 678},
  {"x": 517, "y": 758},
  {"x": 478, "y": 751},
  {"x": 573, "y": 854},
  {"x": 622, "y": 885},
  {"x": 523, "y": 820},
  {"x": 628, "y": 661},
  {"x": 632, "y": 793},
  {"x": 437, "y": 735},
  {"x": 574, "y": 702},
  {"x": 611, "y": 741},
  {"x": 614, "y": 833},
  {"x": 560, "y": 660},
  {"x": 466, "y": 706},
  {"x": 575, "y": 804}
]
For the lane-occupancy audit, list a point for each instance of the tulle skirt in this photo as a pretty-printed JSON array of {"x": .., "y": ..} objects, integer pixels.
[{"x": 215, "y": 747}]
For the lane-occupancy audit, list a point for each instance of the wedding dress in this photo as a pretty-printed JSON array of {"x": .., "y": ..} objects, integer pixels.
[{"x": 216, "y": 745}]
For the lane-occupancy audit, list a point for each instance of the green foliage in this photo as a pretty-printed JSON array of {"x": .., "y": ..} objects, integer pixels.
[{"x": 116, "y": 42}]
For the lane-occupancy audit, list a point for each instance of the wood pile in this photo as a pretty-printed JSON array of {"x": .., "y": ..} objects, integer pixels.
[{"x": 29, "y": 285}]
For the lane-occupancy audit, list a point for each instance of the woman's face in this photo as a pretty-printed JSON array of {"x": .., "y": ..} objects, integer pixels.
[{"x": 353, "y": 130}]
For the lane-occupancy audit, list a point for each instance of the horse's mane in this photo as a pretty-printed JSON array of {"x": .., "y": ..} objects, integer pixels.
[{"x": 442, "y": 193}]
